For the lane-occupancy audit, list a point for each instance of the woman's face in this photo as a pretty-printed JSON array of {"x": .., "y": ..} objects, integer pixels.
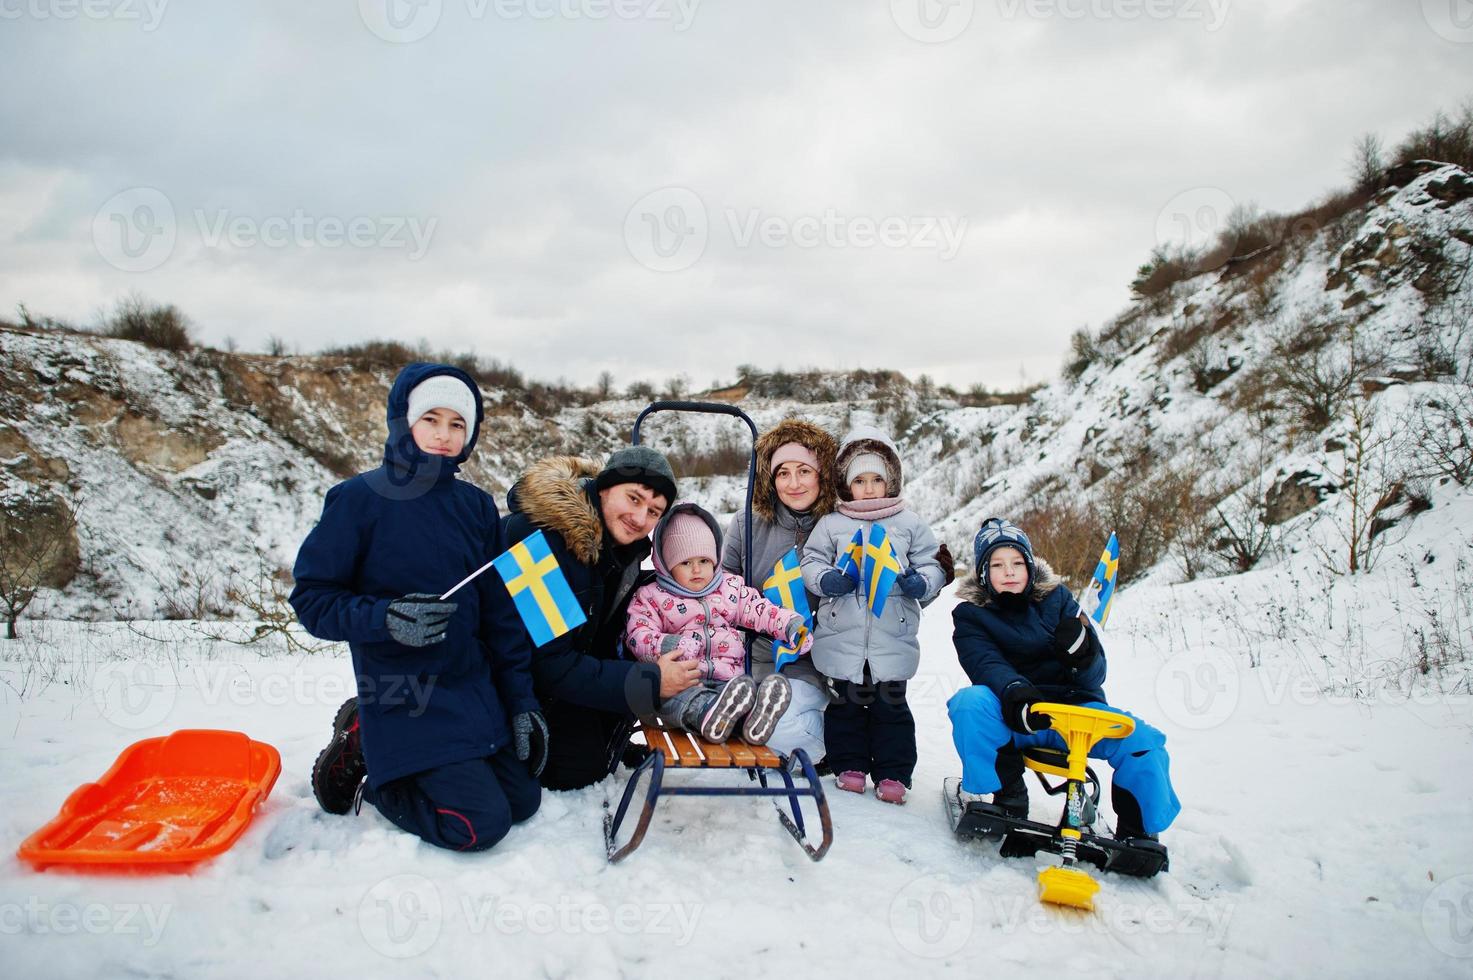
[{"x": 797, "y": 485}]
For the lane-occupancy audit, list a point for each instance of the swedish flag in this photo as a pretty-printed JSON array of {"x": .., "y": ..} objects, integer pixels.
[
  {"x": 537, "y": 586},
  {"x": 784, "y": 587},
  {"x": 851, "y": 559},
  {"x": 1101, "y": 591},
  {"x": 881, "y": 568}
]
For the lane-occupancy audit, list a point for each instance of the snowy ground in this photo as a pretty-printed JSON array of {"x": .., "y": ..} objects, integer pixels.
[{"x": 1320, "y": 835}]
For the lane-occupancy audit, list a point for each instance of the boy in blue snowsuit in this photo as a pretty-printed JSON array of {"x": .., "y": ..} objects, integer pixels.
[
  {"x": 445, "y": 725},
  {"x": 1022, "y": 639}
]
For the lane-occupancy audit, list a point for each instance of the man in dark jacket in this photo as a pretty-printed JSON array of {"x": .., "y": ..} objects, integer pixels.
[{"x": 597, "y": 521}]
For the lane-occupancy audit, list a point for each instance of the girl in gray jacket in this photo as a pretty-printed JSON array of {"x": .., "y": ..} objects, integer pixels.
[{"x": 869, "y": 729}]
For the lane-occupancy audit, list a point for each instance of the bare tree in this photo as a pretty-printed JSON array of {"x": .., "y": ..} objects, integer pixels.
[
  {"x": 37, "y": 549},
  {"x": 1367, "y": 161}
]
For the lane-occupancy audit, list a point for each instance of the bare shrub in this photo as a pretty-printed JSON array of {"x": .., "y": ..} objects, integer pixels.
[
  {"x": 148, "y": 323},
  {"x": 1065, "y": 533}
]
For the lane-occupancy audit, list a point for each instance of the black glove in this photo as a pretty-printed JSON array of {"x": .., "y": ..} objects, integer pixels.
[
  {"x": 419, "y": 619},
  {"x": 529, "y": 729},
  {"x": 912, "y": 583},
  {"x": 836, "y": 583},
  {"x": 1017, "y": 709},
  {"x": 947, "y": 563},
  {"x": 1072, "y": 643}
]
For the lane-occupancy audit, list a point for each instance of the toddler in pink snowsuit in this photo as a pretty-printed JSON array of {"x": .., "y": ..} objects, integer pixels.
[{"x": 696, "y": 607}]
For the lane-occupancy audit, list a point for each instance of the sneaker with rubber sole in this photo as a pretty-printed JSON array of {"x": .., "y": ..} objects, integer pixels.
[
  {"x": 731, "y": 706},
  {"x": 774, "y": 695}
]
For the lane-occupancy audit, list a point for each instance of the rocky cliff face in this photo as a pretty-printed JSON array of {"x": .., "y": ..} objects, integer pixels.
[{"x": 1234, "y": 396}]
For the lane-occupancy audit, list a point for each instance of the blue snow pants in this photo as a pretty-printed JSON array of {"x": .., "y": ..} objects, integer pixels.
[
  {"x": 465, "y": 806},
  {"x": 1141, "y": 764}
]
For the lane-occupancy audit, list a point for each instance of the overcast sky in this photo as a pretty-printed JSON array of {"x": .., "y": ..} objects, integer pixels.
[{"x": 675, "y": 186}]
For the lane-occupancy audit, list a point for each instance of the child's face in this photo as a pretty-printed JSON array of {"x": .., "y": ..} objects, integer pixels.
[
  {"x": 1007, "y": 571},
  {"x": 867, "y": 486},
  {"x": 797, "y": 485},
  {"x": 439, "y": 432},
  {"x": 694, "y": 573}
]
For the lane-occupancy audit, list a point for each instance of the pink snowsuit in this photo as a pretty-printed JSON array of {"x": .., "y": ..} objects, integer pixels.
[{"x": 713, "y": 620}]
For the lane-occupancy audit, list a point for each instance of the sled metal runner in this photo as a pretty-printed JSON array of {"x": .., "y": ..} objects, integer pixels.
[{"x": 671, "y": 749}]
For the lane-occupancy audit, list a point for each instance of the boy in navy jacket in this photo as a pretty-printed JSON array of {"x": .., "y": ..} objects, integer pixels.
[
  {"x": 445, "y": 725},
  {"x": 1022, "y": 639}
]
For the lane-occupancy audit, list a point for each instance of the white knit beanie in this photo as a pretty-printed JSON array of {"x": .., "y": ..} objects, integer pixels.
[
  {"x": 865, "y": 463},
  {"x": 443, "y": 391}
]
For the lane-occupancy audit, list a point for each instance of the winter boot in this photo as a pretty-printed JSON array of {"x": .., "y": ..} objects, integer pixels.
[
  {"x": 851, "y": 781},
  {"x": 1144, "y": 854},
  {"x": 891, "y": 791},
  {"x": 1012, "y": 799},
  {"x": 340, "y": 769},
  {"x": 774, "y": 695},
  {"x": 729, "y": 707}
]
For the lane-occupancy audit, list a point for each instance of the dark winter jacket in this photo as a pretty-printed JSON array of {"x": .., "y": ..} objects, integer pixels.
[
  {"x": 583, "y": 667},
  {"x": 1001, "y": 647},
  {"x": 411, "y": 526}
]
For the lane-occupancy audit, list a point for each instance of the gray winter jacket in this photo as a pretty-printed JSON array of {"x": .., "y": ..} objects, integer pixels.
[
  {"x": 770, "y": 541},
  {"x": 847, "y": 635}
]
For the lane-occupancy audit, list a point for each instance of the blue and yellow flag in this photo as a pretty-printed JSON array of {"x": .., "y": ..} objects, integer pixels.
[
  {"x": 851, "y": 559},
  {"x": 1101, "y": 591},
  {"x": 537, "y": 586},
  {"x": 784, "y": 587},
  {"x": 881, "y": 568}
]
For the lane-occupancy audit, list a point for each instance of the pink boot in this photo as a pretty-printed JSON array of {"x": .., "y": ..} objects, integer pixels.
[
  {"x": 891, "y": 791},
  {"x": 850, "y": 781}
]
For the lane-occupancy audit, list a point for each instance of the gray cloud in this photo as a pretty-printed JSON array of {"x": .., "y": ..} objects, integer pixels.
[{"x": 519, "y": 145}]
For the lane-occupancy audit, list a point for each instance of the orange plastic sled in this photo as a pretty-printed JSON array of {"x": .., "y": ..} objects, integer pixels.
[{"x": 166, "y": 803}]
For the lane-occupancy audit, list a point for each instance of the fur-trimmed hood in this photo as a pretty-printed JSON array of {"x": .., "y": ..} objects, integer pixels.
[
  {"x": 1045, "y": 581},
  {"x": 555, "y": 494},
  {"x": 867, "y": 439},
  {"x": 817, "y": 441}
]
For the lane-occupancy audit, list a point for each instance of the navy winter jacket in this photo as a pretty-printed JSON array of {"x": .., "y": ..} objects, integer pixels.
[
  {"x": 583, "y": 667},
  {"x": 411, "y": 526},
  {"x": 1000, "y": 647}
]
